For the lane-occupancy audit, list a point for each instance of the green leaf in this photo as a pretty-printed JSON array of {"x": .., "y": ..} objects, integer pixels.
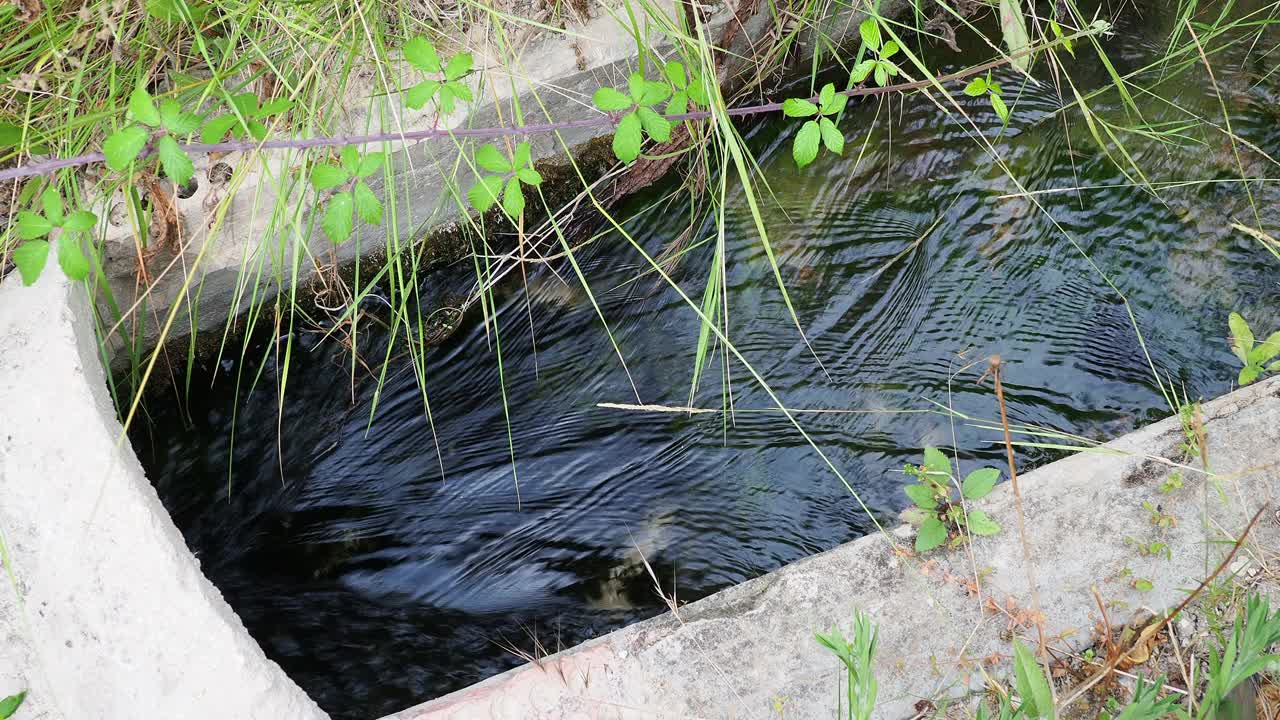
[
  {"x": 831, "y": 136},
  {"x": 485, "y": 192},
  {"x": 513, "y": 198},
  {"x": 459, "y": 90},
  {"x": 651, "y": 92},
  {"x": 1143, "y": 585},
  {"x": 609, "y": 100},
  {"x": 1015, "y": 32},
  {"x": 368, "y": 207},
  {"x": 419, "y": 95},
  {"x": 30, "y": 258},
  {"x": 982, "y": 524},
  {"x": 370, "y": 164},
  {"x": 349, "y": 157},
  {"x": 836, "y": 105},
  {"x": 458, "y": 66},
  {"x": 1057, "y": 33},
  {"x": 10, "y": 135},
  {"x": 172, "y": 10},
  {"x": 422, "y": 54},
  {"x": 1037, "y": 698},
  {"x": 337, "y": 222},
  {"x": 1248, "y": 374},
  {"x": 976, "y": 87},
  {"x": 627, "y": 138},
  {"x": 123, "y": 146},
  {"x": 936, "y": 464},
  {"x": 805, "y": 148},
  {"x": 80, "y": 221},
  {"x": 656, "y": 126},
  {"x": 1002, "y": 110},
  {"x": 978, "y": 484},
  {"x": 882, "y": 74},
  {"x": 245, "y": 103},
  {"x": 796, "y": 107},
  {"x": 143, "y": 108},
  {"x": 523, "y": 155},
  {"x": 275, "y": 107},
  {"x": 675, "y": 74},
  {"x": 491, "y": 158},
  {"x": 932, "y": 533},
  {"x": 862, "y": 70},
  {"x": 326, "y": 176},
  {"x": 174, "y": 160},
  {"x": 217, "y": 128},
  {"x": 1241, "y": 336},
  {"x": 175, "y": 120},
  {"x": 1274, "y": 367},
  {"x": 71, "y": 259},
  {"x": 870, "y": 32},
  {"x": 826, "y": 95},
  {"x": 445, "y": 100},
  {"x": 1266, "y": 349},
  {"x": 10, "y": 705},
  {"x": 529, "y": 176},
  {"x": 678, "y": 104},
  {"x": 889, "y": 50},
  {"x": 51, "y": 200},
  {"x": 32, "y": 225},
  {"x": 921, "y": 495}
]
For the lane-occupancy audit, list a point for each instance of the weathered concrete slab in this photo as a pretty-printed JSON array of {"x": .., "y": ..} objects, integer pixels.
[
  {"x": 103, "y": 610},
  {"x": 749, "y": 652}
]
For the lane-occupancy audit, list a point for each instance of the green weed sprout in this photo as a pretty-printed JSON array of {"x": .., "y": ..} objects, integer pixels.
[
  {"x": 980, "y": 86},
  {"x": 513, "y": 172},
  {"x": 640, "y": 118},
  {"x": 1253, "y": 355},
  {"x": 830, "y": 103},
  {"x": 881, "y": 68},
  {"x": 942, "y": 515},
  {"x": 857, "y": 657},
  {"x": 446, "y": 87},
  {"x": 161, "y": 125}
]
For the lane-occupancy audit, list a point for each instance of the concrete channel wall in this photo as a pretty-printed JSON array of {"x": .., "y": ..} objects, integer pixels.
[{"x": 104, "y": 612}]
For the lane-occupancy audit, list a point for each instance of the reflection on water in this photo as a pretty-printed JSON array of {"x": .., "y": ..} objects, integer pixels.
[{"x": 377, "y": 578}]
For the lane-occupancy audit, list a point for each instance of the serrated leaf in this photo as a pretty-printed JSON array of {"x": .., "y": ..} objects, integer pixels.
[
  {"x": 171, "y": 10},
  {"x": 217, "y": 128},
  {"x": 675, "y": 74},
  {"x": 981, "y": 524},
  {"x": 931, "y": 534},
  {"x": 609, "y": 99},
  {"x": 485, "y": 192},
  {"x": 370, "y": 164},
  {"x": 445, "y": 98},
  {"x": 831, "y": 137},
  {"x": 976, "y": 87},
  {"x": 30, "y": 258},
  {"x": 921, "y": 495},
  {"x": 174, "y": 160},
  {"x": 80, "y": 221},
  {"x": 326, "y": 176},
  {"x": 1241, "y": 336},
  {"x": 979, "y": 483},
  {"x": 458, "y": 66},
  {"x": 862, "y": 70},
  {"x": 349, "y": 158},
  {"x": 627, "y": 138},
  {"x": 513, "y": 198},
  {"x": 123, "y": 146},
  {"x": 257, "y": 130},
  {"x": 529, "y": 176},
  {"x": 422, "y": 54},
  {"x": 338, "y": 223},
  {"x": 870, "y": 32},
  {"x": 936, "y": 464},
  {"x": 836, "y": 105},
  {"x": 652, "y": 92},
  {"x": 245, "y": 103},
  {"x": 143, "y": 108},
  {"x": 368, "y": 206},
  {"x": 10, "y": 705},
  {"x": 798, "y": 107},
  {"x": 678, "y": 104},
  {"x": 1002, "y": 110},
  {"x": 274, "y": 107},
  {"x": 1248, "y": 374},
  {"x": 459, "y": 90},
  {"x": 889, "y": 50},
  {"x": 826, "y": 94},
  {"x": 51, "y": 201},
  {"x": 656, "y": 126},
  {"x": 175, "y": 120},
  {"x": 523, "y": 155},
  {"x": 881, "y": 74},
  {"x": 71, "y": 259},
  {"x": 33, "y": 225},
  {"x": 10, "y": 135},
  {"x": 419, "y": 95},
  {"x": 491, "y": 158},
  {"x": 805, "y": 148}
]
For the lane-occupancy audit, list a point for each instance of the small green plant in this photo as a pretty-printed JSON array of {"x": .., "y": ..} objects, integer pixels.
[
  {"x": 1158, "y": 516},
  {"x": 640, "y": 118},
  {"x": 446, "y": 87},
  {"x": 351, "y": 194},
  {"x": 858, "y": 658},
  {"x": 1143, "y": 585},
  {"x": 10, "y": 705},
  {"x": 151, "y": 124},
  {"x": 823, "y": 129},
  {"x": 31, "y": 256},
  {"x": 980, "y": 86},
  {"x": 941, "y": 515},
  {"x": 1253, "y": 356},
  {"x": 1145, "y": 704},
  {"x": 688, "y": 89},
  {"x": 880, "y": 67},
  {"x": 1247, "y": 652},
  {"x": 254, "y": 116},
  {"x": 1154, "y": 548},
  {"x": 1171, "y": 483},
  {"x": 1033, "y": 686},
  {"x": 511, "y": 173}
]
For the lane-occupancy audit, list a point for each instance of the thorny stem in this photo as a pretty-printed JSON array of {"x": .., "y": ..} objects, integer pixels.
[{"x": 50, "y": 166}]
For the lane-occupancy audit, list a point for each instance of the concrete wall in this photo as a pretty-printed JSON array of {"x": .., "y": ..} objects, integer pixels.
[{"x": 103, "y": 610}]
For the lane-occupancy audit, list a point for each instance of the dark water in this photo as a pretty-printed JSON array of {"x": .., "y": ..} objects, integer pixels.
[{"x": 376, "y": 582}]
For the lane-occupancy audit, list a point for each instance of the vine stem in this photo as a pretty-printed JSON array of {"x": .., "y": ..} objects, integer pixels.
[{"x": 50, "y": 166}]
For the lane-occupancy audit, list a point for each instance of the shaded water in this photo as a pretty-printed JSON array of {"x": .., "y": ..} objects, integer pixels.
[{"x": 376, "y": 582}]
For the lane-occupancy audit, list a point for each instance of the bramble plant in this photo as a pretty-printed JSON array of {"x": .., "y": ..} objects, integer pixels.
[
  {"x": 161, "y": 126},
  {"x": 30, "y": 257},
  {"x": 352, "y": 194},
  {"x": 881, "y": 68},
  {"x": 511, "y": 173},
  {"x": 859, "y": 661},
  {"x": 1254, "y": 356},
  {"x": 941, "y": 515},
  {"x": 980, "y": 86},
  {"x": 247, "y": 107},
  {"x": 688, "y": 89},
  {"x": 823, "y": 128},
  {"x": 640, "y": 118},
  {"x": 447, "y": 86}
]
